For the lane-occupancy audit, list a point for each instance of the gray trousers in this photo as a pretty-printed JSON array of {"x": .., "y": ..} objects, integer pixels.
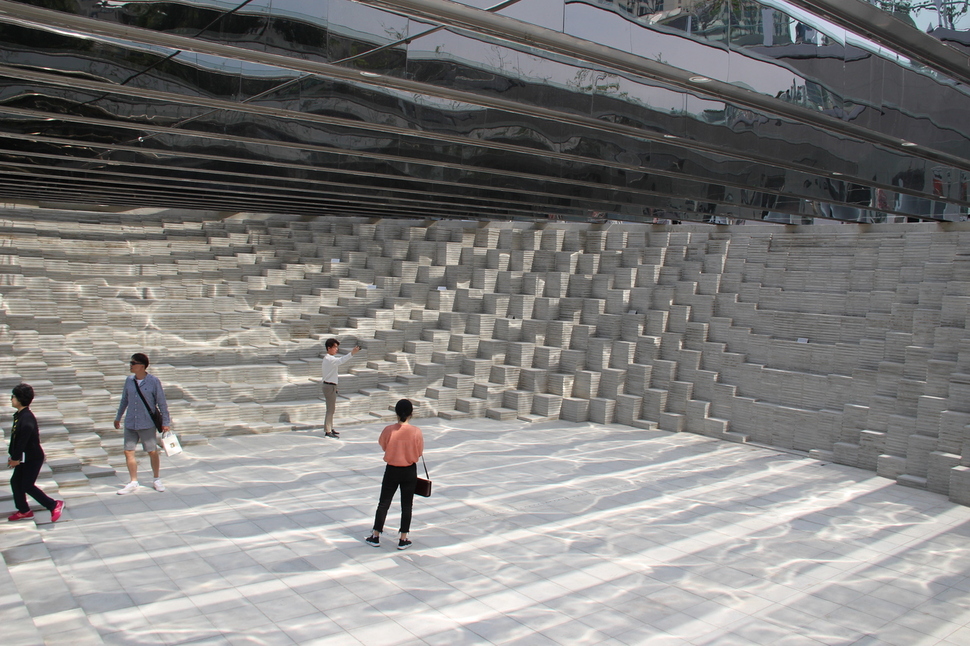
[{"x": 330, "y": 395}]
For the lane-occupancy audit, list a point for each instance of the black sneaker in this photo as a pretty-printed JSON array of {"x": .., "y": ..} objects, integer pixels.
[
  {"x": 403, "y": 544},
  {"x": 373, "y": 541}
]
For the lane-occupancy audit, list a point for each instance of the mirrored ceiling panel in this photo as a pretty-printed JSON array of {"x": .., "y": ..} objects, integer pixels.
[{"x": 518, "y": 109}]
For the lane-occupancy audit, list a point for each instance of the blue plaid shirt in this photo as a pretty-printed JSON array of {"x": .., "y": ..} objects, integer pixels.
[{"x": 138, "y": 417}]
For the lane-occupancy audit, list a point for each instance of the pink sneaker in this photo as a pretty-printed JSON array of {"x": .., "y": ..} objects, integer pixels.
[
  {"x": 56, "y": 511},
  {"x": 21, "y": 516}
]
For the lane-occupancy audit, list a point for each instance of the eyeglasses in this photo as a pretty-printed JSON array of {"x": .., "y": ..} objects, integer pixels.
[{"x": 135, "y": 363}]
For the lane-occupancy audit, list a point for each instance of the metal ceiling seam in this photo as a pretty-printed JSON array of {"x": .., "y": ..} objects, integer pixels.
[
  {"x": 279, "y": 194},
  {"x": 882, "y": 27},
  {"x": 572, "y": 182},
  {"x": 588, "y": 122},
  {"x": 843, "y": 174},
  {"x": 283, "y": 113},
  {"x": 507, "y": 29},
  {"x": 603, "y": 126},
  {"x": 235, "y": 199},
  {"x": 360, "y": 210},
  {"x": 441, "y": 205},
  {"x": 98, "y": 86},
  {"x": 238, "y": 160},
  {"x": 471, "y": 200},
  {"x": 653, "y": 194}
]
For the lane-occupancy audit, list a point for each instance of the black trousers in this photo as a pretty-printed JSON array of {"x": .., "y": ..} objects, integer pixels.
[
  {"x": 407, "y": 479},
  {"x": 23, "y": 482}
]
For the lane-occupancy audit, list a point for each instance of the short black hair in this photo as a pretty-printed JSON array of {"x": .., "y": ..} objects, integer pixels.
[
  {"x": 138, "y": 357},
  {"x": 404, "y": 408},
  {"x": 330, "y": 343},
  {"x": 24, "y": 394}
]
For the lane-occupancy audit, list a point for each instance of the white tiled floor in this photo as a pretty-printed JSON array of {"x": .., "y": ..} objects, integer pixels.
[{"x": 536, "y": 534}]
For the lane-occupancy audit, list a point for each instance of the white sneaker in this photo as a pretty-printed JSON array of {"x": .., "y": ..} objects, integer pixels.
[
  {"x": 131, "y": 487},
  {"x": 158, "y": 485}
]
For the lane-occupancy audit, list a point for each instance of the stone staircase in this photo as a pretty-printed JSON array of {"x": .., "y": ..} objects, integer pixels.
[{"x": 846, "y": 343}]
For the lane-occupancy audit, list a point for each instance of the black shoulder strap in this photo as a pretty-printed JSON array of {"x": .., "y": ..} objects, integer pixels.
[{"x": 143, "y": 400}]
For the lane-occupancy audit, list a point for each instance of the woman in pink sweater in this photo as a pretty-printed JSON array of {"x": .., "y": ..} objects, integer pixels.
[{"x": 403, "y": 444}]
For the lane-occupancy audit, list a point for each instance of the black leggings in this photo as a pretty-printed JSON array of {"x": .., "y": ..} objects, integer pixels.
[
  {"x": 23, "y": 482},
  {"x": 407, "y": 479}
]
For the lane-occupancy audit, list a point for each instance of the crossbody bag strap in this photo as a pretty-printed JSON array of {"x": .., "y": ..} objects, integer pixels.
[{"x": 425, "y": 468}]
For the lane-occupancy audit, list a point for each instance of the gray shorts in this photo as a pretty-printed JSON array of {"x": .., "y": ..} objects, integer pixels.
[{"x": 144, "y": 436}]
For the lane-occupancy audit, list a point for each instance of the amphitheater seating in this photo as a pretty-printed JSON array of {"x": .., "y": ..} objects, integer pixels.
[{"x": 849, "y": 344}]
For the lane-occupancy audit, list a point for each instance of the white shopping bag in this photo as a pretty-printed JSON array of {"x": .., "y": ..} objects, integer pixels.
[{"x": 170, "y": 442}]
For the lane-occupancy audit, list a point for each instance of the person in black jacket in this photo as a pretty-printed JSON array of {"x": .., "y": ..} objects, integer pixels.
[{"x": 26, "y": 458}]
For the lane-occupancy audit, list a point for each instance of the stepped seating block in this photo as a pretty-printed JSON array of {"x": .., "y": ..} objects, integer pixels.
[
  {"x": 959, "y": 487},
  {"x": 480, "y": 369},
  {"x": 574, "y": 409},
  {"x": 890, "y": 466},
  {"x": 534, "y": 379},
  {"x": 384, "y": 368},
  {"x": 696, "y": 412},
  {"x": 98, "y": 470},
  {"x": 491, "y": 393},
  {"x": 679, "y": 393},
  {"x": 572, "y": 360},
  {"x": 654, "y": 403},
  {"x": 50, "y": 434},
  {"x": 601, "y": 410},
  {"x": 520, "y": 400},
  {"x": 716, "y": 427},
  {"x": 546, "y": 405},
  {"x": 443, "y": 398},
  {"x": 907, "y": 480},
  {"x": 560, "y": 384},
  {"x": 412, "y": 383},
  {"x": 644, "y": 424},
  {"x": 492, "y": 349},
  {"x": 520, "y": 354},
  {"x": 91, "y": 455},
  {"x": 585, "y": 384},
  {"x": 508, "y": 376},
  {"x": 70, "y": 479},
  {"x": 939, "y": 472},
  {"x": 63, "y": 464},
  {"x": 628, "y": 409},
  {"x": 673, "y": 422},
  {"x": 82, "y": 441},
  {"x": 395, "y": 390},
  {"x": 439, "y": 339},
  {"x": 454, "y": 414},
  {"x": 500, "y": 413},
  {"x": 471, "y": 405},
  {"x": 461, "y": 383},
  {"x": 432, "y": 372},
  {"x": 546, "y": 357},
  {"x": 465, "y": 344}
]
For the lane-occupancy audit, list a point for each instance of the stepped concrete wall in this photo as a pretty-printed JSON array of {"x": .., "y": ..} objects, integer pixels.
[{"x": 847, "y": 343}]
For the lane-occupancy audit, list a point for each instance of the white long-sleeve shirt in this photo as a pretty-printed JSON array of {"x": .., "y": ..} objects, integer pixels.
[{"x": 331, "y": 362}]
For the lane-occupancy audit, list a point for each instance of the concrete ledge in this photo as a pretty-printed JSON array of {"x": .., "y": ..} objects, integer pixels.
[
  {"x": 70, "y": 479},
  {"x": 97, "y": 471}
]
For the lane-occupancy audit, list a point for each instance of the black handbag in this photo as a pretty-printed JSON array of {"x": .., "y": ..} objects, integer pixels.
[
  {"x": 423, "y": 488},
  {"x": 156, "y": 415}
]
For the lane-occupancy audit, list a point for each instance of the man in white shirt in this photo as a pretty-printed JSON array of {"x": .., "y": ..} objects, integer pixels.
[{"x": 331, "y": 363}]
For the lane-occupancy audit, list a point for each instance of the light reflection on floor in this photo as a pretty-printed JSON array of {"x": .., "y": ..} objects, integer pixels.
[{"x": 550, "y": 533}]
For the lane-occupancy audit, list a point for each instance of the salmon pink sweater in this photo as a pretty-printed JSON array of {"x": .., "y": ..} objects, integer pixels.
[{"x": 403, "y": 444}]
